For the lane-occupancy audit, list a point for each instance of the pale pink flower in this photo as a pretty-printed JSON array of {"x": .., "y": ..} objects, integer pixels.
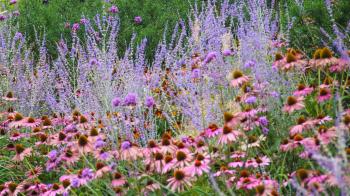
[
  {"x": 238, "y": 78},
  {"x": 324, "y": 95},
  {"x": 197, "y": 168},
  {"x": 303, "y": 90},
  {"x": 179, "y": 181},
  {"x": 293, "y": 104},
  {"x": 21, "y": 152},
  {"x": 228, "y": 135}
]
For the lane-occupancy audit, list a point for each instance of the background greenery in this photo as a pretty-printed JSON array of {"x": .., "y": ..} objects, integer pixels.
[{"x": 49, "y": 16}]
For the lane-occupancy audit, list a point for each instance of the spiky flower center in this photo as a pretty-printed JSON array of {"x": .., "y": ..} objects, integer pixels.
[
  {"x": 200, "y": 157},
  {"x": 197, "y": 163},
  {"x": 43, "y": 137},
  {"x": 258, "y": 160},
  {"x": 317, "y": 54},
  {"x": 55, "y": 186},
  {"x": 18, "y": 117},
  {"x": 346, "y": 119},
  {"x": 31, "y": 120},
  {"x": 47, "y": 122},
  {"x": 179, "y": 175},
  {"x": 181, "y": 156},
  {"x": 99, "y": 165},
  {"x": 302, "y": 174},
  {"x": 301, "y": 87},
  {"x": 298, "y": 138},
  {"x": 168, "y": 159},
  {"x": 228, "y": 117},
  {"x": 165, "y": 142},
  {"x": 227, "y": 130},
  {"x": 93, "y": 132},
  {"x": 12, "y": 187},
  {"x": 291, "y": 100},
  {"x": 323, "y": 92},
  {"x": 19, "y": 148},
  {"x": 213, "y": 127},
  {"x": 9, "y": 95},
  {"x": 61, "y": 136},
  {"x": 66, "y": 183},
  {"x": 200, "y": 143},
  {"x": 117, "y": 176},
  {"x": 69, "y": 153},
  {"x": 180, "y": 145},
  {"x": 152, "y": 144},
  {"x": 260, "y": 189},
  {"x": 252, "y": 139},
  {"x": 158, "y": 156},
  {"x": 326, "y": 53},
  {"x": 237, "y": 74},
  {"x": 83, "y": 140},
  {"x": 278, "y": 57},
  {"x": 83, "y": 119},
  {"x": 301, "y": 120},
  {"x": 291, "y": 58},
  {"x": 244, "y": 174}
]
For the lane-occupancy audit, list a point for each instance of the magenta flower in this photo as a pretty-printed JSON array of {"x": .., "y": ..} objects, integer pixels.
[
  {"x": 138, "y": 20},
  {"x": 114, "y": 9},
  {"x": 75, "y": 27}
]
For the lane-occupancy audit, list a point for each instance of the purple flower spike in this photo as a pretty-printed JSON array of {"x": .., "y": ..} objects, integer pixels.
[
  {"x": 116, "y": 102},
  {"x": 196, "y": 73},
  {"x": 149, "y": 102},
  {"x": 93, "y": 61},
  {"x": 52, "y": 154},
  {"x": 130, "y": 99},
  {"x": 138, "y": 20},
  {"x": 75, "y": 27},
  {"x": 210, "y": 56},
  {"x": 125, "y": 145},
  {"x": 249, "y": 64},
  {"x": 228, "y": 52},
  {"x": 263, "y": 121},
  {"x": 114, "y": 9},
  {"x": 250, "y": 100}
]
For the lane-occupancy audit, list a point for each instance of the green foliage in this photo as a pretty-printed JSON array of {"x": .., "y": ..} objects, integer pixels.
[
  {"x": 310, "y": 18},
  {"x": 51, "y": 18}
]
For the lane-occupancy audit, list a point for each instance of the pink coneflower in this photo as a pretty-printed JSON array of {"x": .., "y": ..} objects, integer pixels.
[
  {"x": 279, "y": 61},
  {"x": 303, "y": 90},
  {"x": 237, "y": 162},
  {"x": 287, "y": 145},
  {"x": 224, "y": 171},
  {"x": 30, "y": 122},
  {"x": 101, "y": 169},
  {"x": 118, "y": 180},
  {"x": 150, "y": 187},
  {"x": 201, "y": 146},
  {"x": 34, "y": 173},
  {"x": 228, "y": 135},
  {"x": 169, "y": 163},
  {"x": 322, "y": 119},
  {"x": 252, "y": 141},
  {"x": 179, "y": 181},
  {"x": 83, "y": 144},
  {"x": 238, "y": 78},
  {"x": 182, "y": 158},
  {"x": 212, "y": 131},
  {"x": 326, "y": 135},
  {"x": 197, "y": 168},
  {"x": 248, "y": 183},
  {"x": 167, "y": 146},
  {"x": 238, "y": 154},
  {"x": 302, "y": 125},
  {"x": 293, "y": 61},
  {"x": 324, "y": 94},
  {"x": 17, "y": 121},
  {"x": 128, "y": 151},
  {"x": 293, "y": 104},
  {"x": 152, "y": 147},
  {"x": 17, "y": 135},
  {"x": 259, "y": 162},
  {"x": 156, "y": 162},
  {"x": 10, "y": 189},
  {"x": 55, "y": 189},
  {"x": 70, "y": 156},
  {"x": 21, "y": 152},
  {"x": 9, "y": 97}
]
